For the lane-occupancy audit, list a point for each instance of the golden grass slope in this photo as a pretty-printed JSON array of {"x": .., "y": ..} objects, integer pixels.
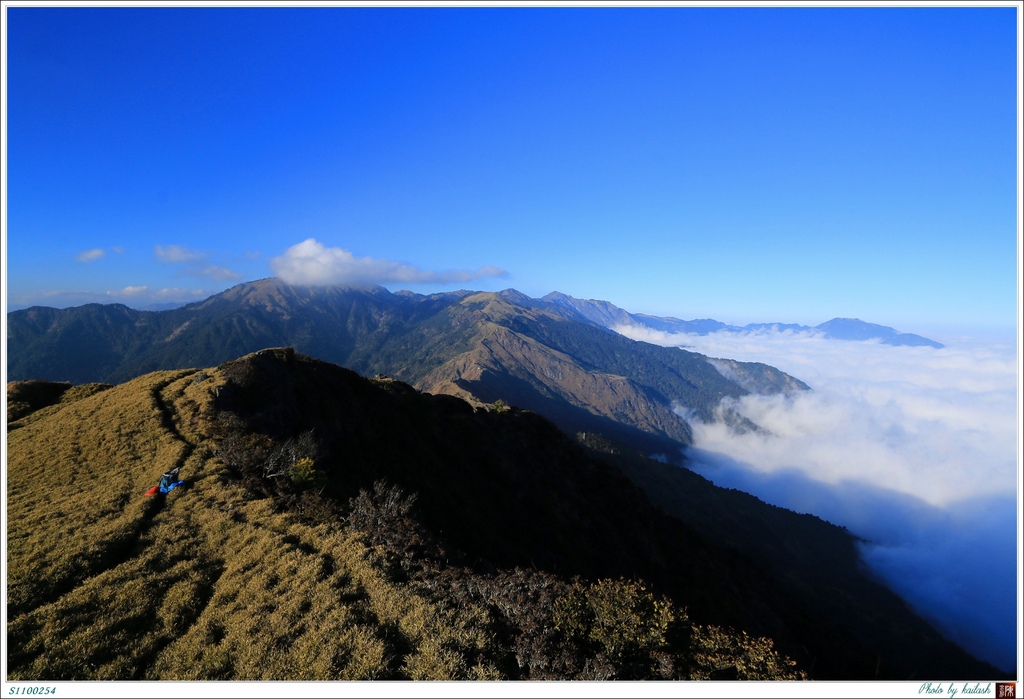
[{"x": 204, "y": 583}]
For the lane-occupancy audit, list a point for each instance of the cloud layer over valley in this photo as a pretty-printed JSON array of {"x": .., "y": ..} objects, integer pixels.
[{"x": 913, "y": 449}]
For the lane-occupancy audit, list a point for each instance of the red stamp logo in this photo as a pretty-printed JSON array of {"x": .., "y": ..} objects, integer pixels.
[{"x": 1006, "y": 690}]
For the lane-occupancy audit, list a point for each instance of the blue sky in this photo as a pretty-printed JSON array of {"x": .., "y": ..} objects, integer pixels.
[{"x": 750, "y": 164}]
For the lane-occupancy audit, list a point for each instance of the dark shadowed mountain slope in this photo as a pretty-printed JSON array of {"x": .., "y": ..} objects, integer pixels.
[
  {"x": 479, "y": 346},
  {"x": 609, "y": 316},
  {"x": 280, "y": 559}
]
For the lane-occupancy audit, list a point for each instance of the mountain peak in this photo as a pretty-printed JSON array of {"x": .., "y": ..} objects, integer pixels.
[
  {"x": 601, "y": 312},
  {"x": 857, "y": 329}
]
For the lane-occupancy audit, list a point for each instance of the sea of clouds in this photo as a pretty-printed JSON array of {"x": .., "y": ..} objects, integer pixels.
[{"x": 913, "y": 449}]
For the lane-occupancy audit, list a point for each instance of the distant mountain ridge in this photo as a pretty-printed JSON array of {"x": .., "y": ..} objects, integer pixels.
[
  {"x": 480, "y": 346},
  {"x": 607, "y": 315}
]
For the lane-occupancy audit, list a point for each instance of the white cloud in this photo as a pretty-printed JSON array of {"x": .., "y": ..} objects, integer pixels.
[
  {"x": 174, "y": 293},
  {"x": 90, "y": 255},
  {"x": 217, "y": 272},
  {"x": 310, "y": 263},
  {"x": 912, "y": 448},
  {"x": 129, "y": 291},
  {"x": 939, "y": 424},
  {"x": 142, "y": 296},
  {"x": 194, "y": 263},
  {"x": 175, "y": 254}
]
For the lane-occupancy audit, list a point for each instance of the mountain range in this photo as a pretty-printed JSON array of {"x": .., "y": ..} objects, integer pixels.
[
  {"x": 610, "y": 316},
  {"x": 480, "y": 346},
  {"x": 425, "y": 476},
  {"x": 332, "y": 526}
]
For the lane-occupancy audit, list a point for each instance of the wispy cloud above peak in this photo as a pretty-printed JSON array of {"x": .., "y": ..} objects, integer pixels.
[
  {"x": 311, "y": 263},
  {"x": 175, "y": 254},
  {"x": 129, "y": 291},
  {"x": 217, "y": 272},
  {"x": 90, "y": 255},
  {"x": 194, "y": 263},
  {"x": 143, "y": 296}
]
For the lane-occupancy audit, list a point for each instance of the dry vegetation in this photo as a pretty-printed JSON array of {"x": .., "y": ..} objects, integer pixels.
[{"x": 221, "y": 580}]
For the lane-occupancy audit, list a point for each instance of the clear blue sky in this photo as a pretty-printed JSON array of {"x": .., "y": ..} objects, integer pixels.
[{"x": 746, "y": 164}]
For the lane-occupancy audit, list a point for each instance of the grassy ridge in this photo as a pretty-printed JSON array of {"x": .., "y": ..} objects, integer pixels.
[
  {"x": 205, "y": 584},
  {"x": 219, "y": 581}
]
